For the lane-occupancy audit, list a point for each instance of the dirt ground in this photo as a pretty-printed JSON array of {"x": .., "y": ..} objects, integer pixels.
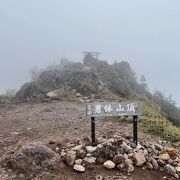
[{"x": 64, "y": 122}]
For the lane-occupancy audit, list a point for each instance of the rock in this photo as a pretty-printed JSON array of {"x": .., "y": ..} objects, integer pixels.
[
  {"x": 86, "y": 141},
  {"x": 76, "y": 148},
  {"x": 109, "y": 164},
  {"x": 133, "y": 145},
  {"x": 118, "y": 159},
  {"x": 100, "y": 160},
  {"x": 158, "y": 147},
  {"x": 145, "y": 152},
  {"x": 170, "y": 161},
  {"x": 126, "y": 147},
  {"x": 91, "y": 149},
  {"x": 154, "y": 163},
  {"x": 118, "y": 142},
  {"x": 177, "y": 160},
  {"x": 79, "y": 168},
  {"x": 70, "y": 145},
  {"x": 81, "y": 153},
  {"x": 169, "y": 169},
  {"x": 176, "y": 176},
  {"x": 149, "y": 165},
  {"x": 57, "y": 149},
  {"x": 172, "y": 152},
  {"x": 52, "y": 142},
  {"x": 32, "y": 159},
  {"x": 99, "y": 146},
  {"x": 105, "y": 152},
  {"x": 164, "y": 156},
  {"x": 139, "y": 147},
  {"x": 100, "y": 140},
  {"x": 126, "y": 166},
  {"x": 130, "y": 168},
  {"x": 89, "y": 160},
  {"x": 70, "y": 157},
  {"x": 161, "y": 162},
  {"x": 78, "y": 161},
  {"x": 152, "y": 150},
  {"x": 111, "y": 140},
  {"x": 52, "y": 94},
  {"x": 177, "y": 169},
  {"x": 88, "y": 155},
  {"x": 78, "y": 95},
  {"x": 139, "y": 158},
  {"x": 99, "y": 177},
  {"x": 130, "y": 155},
  {"x": 120, "y": 150}
]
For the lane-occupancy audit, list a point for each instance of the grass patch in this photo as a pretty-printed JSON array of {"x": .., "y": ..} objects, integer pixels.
[{"x": 153, "y": 123}]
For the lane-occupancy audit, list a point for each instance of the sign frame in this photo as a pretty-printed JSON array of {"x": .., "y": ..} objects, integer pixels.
[{"x": 110, "y": 109}]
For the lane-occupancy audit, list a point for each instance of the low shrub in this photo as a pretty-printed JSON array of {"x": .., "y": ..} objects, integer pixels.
[{"x": 154, "y": 123}]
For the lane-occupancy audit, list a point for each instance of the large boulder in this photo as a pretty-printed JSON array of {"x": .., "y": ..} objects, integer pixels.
[
  {"x": 32, "y": 159},
  {"x": 30, "y": 91}
]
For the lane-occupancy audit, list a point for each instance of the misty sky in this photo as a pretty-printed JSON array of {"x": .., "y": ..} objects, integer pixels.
[{"x": 38, "y": 32}]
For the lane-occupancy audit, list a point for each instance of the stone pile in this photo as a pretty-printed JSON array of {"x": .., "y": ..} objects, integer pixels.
[
  {"x": 116, "y": 152},
  {"x": 123, "y": 154}
]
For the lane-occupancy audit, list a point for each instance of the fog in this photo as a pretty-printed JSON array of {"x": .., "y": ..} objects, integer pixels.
[{"x": 144, "y": 33}]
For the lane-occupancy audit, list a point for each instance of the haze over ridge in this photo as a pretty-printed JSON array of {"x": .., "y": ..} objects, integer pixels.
[{"x": 144, "y": 33}]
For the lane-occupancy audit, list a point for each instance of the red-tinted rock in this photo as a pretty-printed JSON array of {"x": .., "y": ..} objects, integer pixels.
[
  {"x": 139, "y": 159},
  {"x": 172, "y": 152}
]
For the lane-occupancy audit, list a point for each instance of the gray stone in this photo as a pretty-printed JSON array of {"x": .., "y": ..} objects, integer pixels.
[
  {"x": 78, "y": 95},
  {"x": 52, "y": 94},
  {"x": 81, "y": 153},
  {"x": 126, "y": 147},
  {"x": 90, "y": 160},
  {"x": 109, "y": 164},
  {"x": 90, "y": 149},
  {"x": 32, "y": 159},
  {"x": 76, "y": 148},
  {"x": 70, "y": 157},
  {"x": 176, "y": 176},
  {"x": 169, "y": 169},
  {"x": 126, "y": 167},
  {"x": 177, "y": 169},
  {"x": 78, "y": 161},
  {"x": 111, "y": 140},
  {"x": 154, "y": 163},
  {"x": 79, "y": 168}
]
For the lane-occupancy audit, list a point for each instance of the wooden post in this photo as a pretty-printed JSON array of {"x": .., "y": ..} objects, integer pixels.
[
  {"x": 93, "y": 136},
  {"x": 135, "y": 135}
]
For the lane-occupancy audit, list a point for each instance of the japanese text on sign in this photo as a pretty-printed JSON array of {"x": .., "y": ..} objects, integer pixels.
[{"x": 114, "y": 109}]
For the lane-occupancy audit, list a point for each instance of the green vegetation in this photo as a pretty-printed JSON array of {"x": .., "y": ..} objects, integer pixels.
[{"x": 154, "y": 123}]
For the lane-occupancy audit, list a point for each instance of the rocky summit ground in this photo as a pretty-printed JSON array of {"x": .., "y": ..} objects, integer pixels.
[{"x": 60, "y": 126}]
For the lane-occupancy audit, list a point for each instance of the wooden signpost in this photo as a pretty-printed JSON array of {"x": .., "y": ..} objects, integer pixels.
[{"x": 100, "y": 109}]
